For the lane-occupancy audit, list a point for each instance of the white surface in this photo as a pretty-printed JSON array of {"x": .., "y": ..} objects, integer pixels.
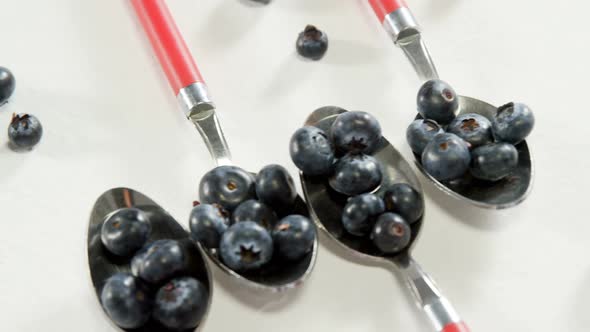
[{"x": 85, "y": 69}]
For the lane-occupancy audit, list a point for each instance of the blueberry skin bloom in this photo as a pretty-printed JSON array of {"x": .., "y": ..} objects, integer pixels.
[
  {"x": 312, "y": 43},
  {"x": 357, "y": 132},
  {"x": 125, "y": 299},
  {"x": 447, "y": 157},
  {"x": 391, "y": 233},
  {"x": 158, "y": 261},
  {"x": 253, "y": 210},
  {"x": 437, "y": 101},
  {"x": 494, "y": 161},
  {"x": 294, "y": 236},
  {"x": 24, "y": 131},
  {"x": 275, "y": 187},
  {"x": 361, "y": 212},
  {"x": 513, "y": 123},
  {"x": 227, "y": 186},
  {"x": 207, "y": 224},
  {"x": 246, "y": 246},
  {"x": 7, "y": 84},
  {"x": 125, "y": 231},
  {"x": 403, "y": 199},
  {"x": 420, "y": 132},
  {"x": 311, "y": 151},
  {"x": 181, "y": 303},
  {"x": 356, "y": 174},
  {"x": 472, "y": 128}
]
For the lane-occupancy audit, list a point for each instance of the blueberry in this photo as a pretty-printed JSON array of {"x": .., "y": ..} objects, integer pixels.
[
  {"x": 403, "y": 199},
  {"x": 357, "y": 132},
  {"x": 181, "y": 303},
  {"x": 24, "y": 131},
  {"x": 158, "y": 261},
  {"x": 311, "y": 151},
  {"x": 276, "y": 188},
  {"x": 125, "y": 231},
  {"x": 7, "y": 84},
  {"x": 207, "y": 224},
  {"x": 246, "y": 246},
  {"x": 312, "y": 43},
  {"x": 513, "y": 123},
  {"x": 472, "y": 128},
  {"x": 356, "y": 174},
  {"x": 420, "y": 133},
  {"x": 438, "y": 101},
  {"x": 494, "y": 161},
  {"x": 447, "y": 157},
  {"x": 391, "y": 233},
  {"x": 227, "y": 186},
  {"x": 253, "y": 210},
  {"x": 294, "y": 236},
  {"x": 361, "y": 212},
  {"x": 126, "y": 300}
]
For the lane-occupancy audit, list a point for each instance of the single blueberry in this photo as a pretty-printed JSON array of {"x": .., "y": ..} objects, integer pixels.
[
  {"x": 494, "y": 161},
  {"x": 403, "y": 199},
  {"x": 312, "y": 43},
  {"x": 275, "y": 187},
  {"x": 356, "y": 174},
  {"x": 446, "y": 157},
  {"x": 311, "y": 151},
  {"x": 361, "y": 212},
  {"x": 294, "y": 236},
  {"x": 420, "y": 132},
  {"x": 246, "y": 246},
  {"x": 181, "y": 303},
  {"x": 391, "y": 233},
  {"x": 24, "y": 131},
  {"x": 357, "y": 132},
  {"x": 253, "y": 210},
  {"x": 438, "y": 101},
  {"x": 126, "y": 300},
  {"x": 227, "y": 186},
  {"x": 158, "y": 261},
  {"x": 125, "y": 231},
  {"x": 7, "y": 84},
  {"x": 472, "y": 128},
  {"x": 513, "y": 123},
  {"x": 207, "y": 224}
]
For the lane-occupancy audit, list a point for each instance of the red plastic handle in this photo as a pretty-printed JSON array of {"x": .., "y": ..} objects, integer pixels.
[
  {"x": 456, "y": 327},
  {"x": 384, "y": 7},
  {"x": 175, "y": 58}
]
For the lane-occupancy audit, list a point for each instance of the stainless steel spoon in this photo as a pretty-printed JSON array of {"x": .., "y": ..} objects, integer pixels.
[
  {"x": 191, "y": 92},
  {"x": 510, "y": 191},
  {"x": 326, "y": 207},
  {"x": 104, "y": 264}
]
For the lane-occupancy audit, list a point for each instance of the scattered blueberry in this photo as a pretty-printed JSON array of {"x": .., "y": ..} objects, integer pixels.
[
  {"x": 207, "y": 224},
  {"x": 473, "y": 128},
  {"x": 421, "y": 132},
  {"x": 391, "y": 233},
  {"x": 158, "y": 261},
  {"x": 24, "y": 131},
  {"x": 126, "y": 300},
  {"x": 361, "y": 212},
  {"x": 311, "y": 151},
  {"x": 494, "y": 161},
  {"x": 403, "y": 199},
  {"x": 312, "y": 43},
  {"x": 357, "y": 132},
  {"x": 356, "y": 174},
  {"x": 246, "y": 246},
  {"x": 294, "y": 236},
  {"x": 513, "y": 123},
  {"x": 275, "y": 187},
  {"x": 7, "y": 84},
  {"x": 181, "y": 303},
  {"x": 253, "y": 210},
  {"x": 438, "y": 101},
  {"x": 446, "y": 157},
  {"x": 227, "y": 186},
  {"x": 125, "y": 231}
]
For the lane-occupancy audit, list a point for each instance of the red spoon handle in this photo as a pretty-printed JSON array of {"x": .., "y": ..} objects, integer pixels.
[
  {"x": 456, "y": 327},
  {"x": 383, "y": 8}
]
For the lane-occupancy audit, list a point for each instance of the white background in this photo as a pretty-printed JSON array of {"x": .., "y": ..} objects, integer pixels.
[{"x": 85, "y": 69}]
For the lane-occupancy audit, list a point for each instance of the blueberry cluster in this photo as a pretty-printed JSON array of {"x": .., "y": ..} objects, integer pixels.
[
  {"x": 157, "y": 286},
  {"x": 452, "y": 146},
  {"x": 247, "y": 219}
]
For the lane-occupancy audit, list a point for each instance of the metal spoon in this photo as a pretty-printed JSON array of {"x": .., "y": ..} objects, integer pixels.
[
  {"x": 510, "y": 191},
  {"x": 104, "y": 264},
  {"x": 326, "y": 207},
  {"x": 191, "y": 91}
]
